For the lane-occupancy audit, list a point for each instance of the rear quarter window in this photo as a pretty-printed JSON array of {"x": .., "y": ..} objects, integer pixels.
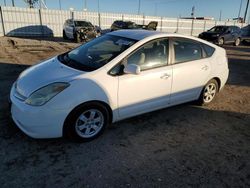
[{"x": 208, "y": 50}]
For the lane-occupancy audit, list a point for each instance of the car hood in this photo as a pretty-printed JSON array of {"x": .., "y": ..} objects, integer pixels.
[
  {"x": 210, "y": 33},
  {"x": 42, "y": 74},
  {"x": 85, "y": 28}
]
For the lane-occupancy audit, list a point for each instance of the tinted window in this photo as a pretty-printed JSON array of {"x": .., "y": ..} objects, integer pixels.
[
  {"x": 186, "y": 50},
  {"x": 96, "y": 53},
  {"x": 151, "y": 55},
  {"x": 209, "y": 50},
  {"x": 219, "y": 29}
]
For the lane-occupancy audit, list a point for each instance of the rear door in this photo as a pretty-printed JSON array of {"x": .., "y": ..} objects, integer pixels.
[{"x": 190, "y": 70}]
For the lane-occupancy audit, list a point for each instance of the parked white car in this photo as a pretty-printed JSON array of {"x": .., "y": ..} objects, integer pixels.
[{"x": 118, "y": 75}]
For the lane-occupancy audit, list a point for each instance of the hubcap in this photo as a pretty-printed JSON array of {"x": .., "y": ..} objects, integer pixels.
[
  {"x": 237, "y": 42},
  {"x": 89, "y": 123},
  {"x": 221, "y": 41},
  {"x": 209, "y": 92}
]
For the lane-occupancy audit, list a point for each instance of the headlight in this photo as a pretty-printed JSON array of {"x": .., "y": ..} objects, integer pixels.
[
  {"x": 44, "y": 94},
  {"x": 82, "y": 30}
]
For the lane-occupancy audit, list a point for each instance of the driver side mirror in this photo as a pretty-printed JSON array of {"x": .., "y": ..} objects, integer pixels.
[
  {"x": 132, "y": 69},
  {"x": 228, "y": 32}
]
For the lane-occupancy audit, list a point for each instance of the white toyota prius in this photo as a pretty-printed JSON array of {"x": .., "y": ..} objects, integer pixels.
[{"x": 118, "y": 75}]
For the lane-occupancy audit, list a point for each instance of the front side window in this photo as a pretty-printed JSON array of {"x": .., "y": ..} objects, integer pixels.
[
  {"x": 219, "y": 29},
  {"x": 186, "y": 50},
  {"x": 96, "y": 53},
  {"x": 151, "y": 55}
]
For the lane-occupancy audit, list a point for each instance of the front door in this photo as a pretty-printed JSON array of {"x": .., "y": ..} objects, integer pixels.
[{"x": 150, "y": 89}]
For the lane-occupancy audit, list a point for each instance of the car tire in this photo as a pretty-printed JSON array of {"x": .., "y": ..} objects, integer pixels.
[
  {"x": 221, "y": 41},
  {"x": 86, "y": 122},
  {"x": 237, "y": 42},
  {"x": 208, "y": 92},
  {"x": 64, "y": 35},
  {"x": 77, "y": 38}
]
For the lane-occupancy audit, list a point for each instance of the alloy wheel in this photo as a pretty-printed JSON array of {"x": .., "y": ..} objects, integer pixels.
[
  {"x": 209, "y": 92},
  {"x": 89, "y": 123}
]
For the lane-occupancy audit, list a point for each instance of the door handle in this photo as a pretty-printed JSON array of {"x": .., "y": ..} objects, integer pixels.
[
  {"x": 165, "y": 76},
  {"x": 205, "y": 67}
]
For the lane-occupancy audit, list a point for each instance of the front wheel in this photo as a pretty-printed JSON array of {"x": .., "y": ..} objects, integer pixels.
[
  {"x": 237, "y": 42},
  {"x": 86, "y": 122},
  {"x": 221, "y": 41},
  {"x": 64, "y": 35},
  {"x": 77, "y": 38},
  {"x": 208, "y": 93}
]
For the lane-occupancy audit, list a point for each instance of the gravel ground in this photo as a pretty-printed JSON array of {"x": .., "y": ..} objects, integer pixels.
[{"x": 182, "y": 146}]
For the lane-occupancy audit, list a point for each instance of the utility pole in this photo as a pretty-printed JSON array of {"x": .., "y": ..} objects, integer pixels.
[
  {"x": 246, "y": 11},
  {"x": 98, "y": 6},
  {"x": 139, "y": 7},
  {"x": 4, "y": 2},
  {"x": 220, "y": 15},
  {"x": 85, "y": 5},
  {"x": 13, "y": 3},
  {"x": 156, "y": 7},
  {"x": 240, "y": 9},
  {"x": 192, "y": 13},
  {"x": 60, "y": 5}
]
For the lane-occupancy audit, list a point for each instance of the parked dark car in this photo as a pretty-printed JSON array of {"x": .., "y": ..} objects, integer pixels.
[
  {"x": 119, "y": 24},
  {"x": 245, "y": 33},
  {"x": 80, "y": 30},
  {"x": 223, "y": 35}
]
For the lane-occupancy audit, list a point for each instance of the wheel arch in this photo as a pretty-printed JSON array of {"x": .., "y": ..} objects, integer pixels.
[
  {"x": 93, "y": 102},
  {"x": 218, "y": 82}
]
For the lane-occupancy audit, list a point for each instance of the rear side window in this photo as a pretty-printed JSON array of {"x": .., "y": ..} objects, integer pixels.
[
  {"x": 208, "y": 50},
  {"x": 186, "y": 50}
]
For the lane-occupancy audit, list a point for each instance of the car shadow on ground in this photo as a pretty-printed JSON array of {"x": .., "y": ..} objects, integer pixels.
[
  {"x": 177, "y": 146},
  {"x": 45, "y": 38}
]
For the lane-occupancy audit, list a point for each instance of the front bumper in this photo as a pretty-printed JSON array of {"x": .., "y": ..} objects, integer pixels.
[{"x": 37, "y": 121}]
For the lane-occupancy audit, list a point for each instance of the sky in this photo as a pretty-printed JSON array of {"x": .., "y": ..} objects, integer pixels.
[{"x": 167, "y": 8}]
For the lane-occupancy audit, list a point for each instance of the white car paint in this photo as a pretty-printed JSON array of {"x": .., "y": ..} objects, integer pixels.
[{"x": 127, "y": 95}]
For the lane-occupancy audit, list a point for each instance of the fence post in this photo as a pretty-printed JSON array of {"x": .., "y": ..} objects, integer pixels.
[
  {"x": 177, "y": 25},
  {"x": 99, "y": 19},
  {"x": 143, "y": 19},
  {"x": 161, "y": 24},
  {"x": 1, "y": 15},
  {"x": 192, "y": 27},
  {"x": 204, "y": 29},
  {"x": 41, "y": 23}
]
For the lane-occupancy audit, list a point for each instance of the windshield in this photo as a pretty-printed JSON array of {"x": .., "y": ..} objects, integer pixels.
[
  {"x": 82, "y": 24},
  {"x": 96, "y": 53},
  {"x": 219, "y": 29}
]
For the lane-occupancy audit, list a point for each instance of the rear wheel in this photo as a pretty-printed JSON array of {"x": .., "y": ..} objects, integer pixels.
[
  {"x": 209, "y": 92},
  {"x": 86, "y": 122},
  {"x": 237, "y": 42}
]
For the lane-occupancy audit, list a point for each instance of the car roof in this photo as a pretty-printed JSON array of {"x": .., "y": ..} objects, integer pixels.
[{"x": 136, "y": 34}]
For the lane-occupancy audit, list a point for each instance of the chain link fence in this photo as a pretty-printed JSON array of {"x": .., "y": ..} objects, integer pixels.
[{"x": 15, "y": 21}]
